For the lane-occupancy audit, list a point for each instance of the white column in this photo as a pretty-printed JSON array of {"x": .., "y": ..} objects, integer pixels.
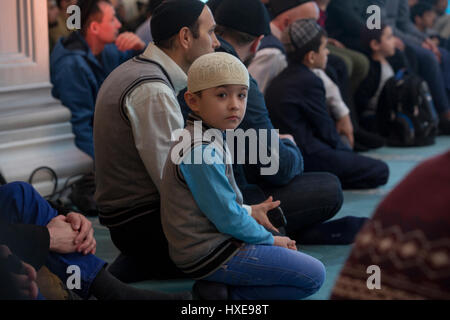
[{"x": 35, "y": 128}]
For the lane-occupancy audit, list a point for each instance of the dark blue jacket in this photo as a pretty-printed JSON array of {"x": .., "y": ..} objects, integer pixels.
[
  {"x": 257, "y": 117},
  {"x": 76, "y": 75},
  {"x": 297, "y": 105}
]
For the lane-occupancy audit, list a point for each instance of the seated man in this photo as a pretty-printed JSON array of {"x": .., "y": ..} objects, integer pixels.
[
  {"x": 34, "y": 232},
  {"x": 135, "y": 116},
  {"x": 80, "y": 62},
  {"x": 302, "y": 111}
]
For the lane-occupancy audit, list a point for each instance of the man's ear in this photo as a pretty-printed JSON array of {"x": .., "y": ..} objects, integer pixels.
[
  {"x": 191, "y": 100},
  {"x": 93, "y": 28},
  {"x": 255, "y": 44},
  {"x": 185, "y": 37},
  {"x": 285, "y": 22},
  {"x": 374, "y": 45},
  {"x": 310, "y": 57}
]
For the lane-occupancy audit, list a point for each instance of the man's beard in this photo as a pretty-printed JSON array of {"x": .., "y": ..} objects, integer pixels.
[{"x": 249, "y": 60}]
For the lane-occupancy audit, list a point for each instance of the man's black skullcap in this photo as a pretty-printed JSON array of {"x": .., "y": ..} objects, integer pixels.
[
  {"x": 213, "y": 4},
  {"x": 172, "y": 15},
  {"x": 277, "y": 7},
  {"x": 248, "y": 16}
]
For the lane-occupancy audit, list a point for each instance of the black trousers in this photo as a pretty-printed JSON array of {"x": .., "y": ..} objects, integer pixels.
[{"x": 144, "y": 251}]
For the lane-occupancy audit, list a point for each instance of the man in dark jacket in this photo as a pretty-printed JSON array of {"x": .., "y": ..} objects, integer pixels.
[
  {"x": 80, "y": 63},
  {"x": 302, "y": 110}
]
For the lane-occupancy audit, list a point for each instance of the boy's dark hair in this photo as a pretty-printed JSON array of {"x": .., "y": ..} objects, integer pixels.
[
  {"x": 299, "y": 54},
  {"x": 419, "y": 10},
  {"x": 90, "y": 11},
  {"x": 241, "y": 38},
  {"x": 367, "y": 35},
  {"x": 169, "y": 43}
]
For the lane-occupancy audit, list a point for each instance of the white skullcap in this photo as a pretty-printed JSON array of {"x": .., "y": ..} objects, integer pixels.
[{"x": 216, "y": 69}]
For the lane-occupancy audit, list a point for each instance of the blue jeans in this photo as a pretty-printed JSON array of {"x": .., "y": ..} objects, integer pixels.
[
  {"x": 259, "y": 272},
  {"x": 21, "y": 204},
  {"x": 431, "y": 72}
]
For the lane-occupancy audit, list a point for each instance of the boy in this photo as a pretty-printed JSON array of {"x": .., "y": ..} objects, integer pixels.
[
  {"x": 209, "y": 231},
  {"x": 424, "y": 17},
  {"x": 379, "y": 45},
  {"x": 301, "y": 110}
]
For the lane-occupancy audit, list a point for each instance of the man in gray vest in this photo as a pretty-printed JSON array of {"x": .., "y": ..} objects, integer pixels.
[{"x": 136, "y": 113}]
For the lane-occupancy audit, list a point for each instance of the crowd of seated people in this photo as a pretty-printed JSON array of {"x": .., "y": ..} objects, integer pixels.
[{"x": 309, "y": 69}]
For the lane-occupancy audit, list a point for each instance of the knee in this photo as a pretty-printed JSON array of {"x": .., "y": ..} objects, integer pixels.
[
  {"x": 12, "y": 197},
  {"x": 383, "y": 172},
  {"x": 333, "y": 191},
  {"x": 380, "y": 173},
  {"x": 14, "y": 191},
  {"x": 316, "y": 277},
  {"x": 361, "y": 65}
]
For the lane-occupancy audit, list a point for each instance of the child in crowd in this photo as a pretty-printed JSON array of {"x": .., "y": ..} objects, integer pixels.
[
  {"x": 379, "y": 45},
  {"x": 302, "y": 111},
  {"x": 212, "y": 236},
  {"x": 424, "y": 18}
]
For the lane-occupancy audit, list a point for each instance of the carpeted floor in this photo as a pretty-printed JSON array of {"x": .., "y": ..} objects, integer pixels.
[{"x": 356, "y": 203}]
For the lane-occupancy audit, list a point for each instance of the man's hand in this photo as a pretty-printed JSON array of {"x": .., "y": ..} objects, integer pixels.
[
  {"x": 344, "y": 126},
  {"x": 284, "y": 242},
  {"x": 62, "y": 236},
  {"x": 85, "y": 239},
  {"x": 287, "y": 136},
  {"x": 430, "y": 45},
  {"x": 336, "y": 43},
  {"x": 399, "y": 44},
  {"x": 259, "y": 212},
  {"x": 129, "y": 41}
]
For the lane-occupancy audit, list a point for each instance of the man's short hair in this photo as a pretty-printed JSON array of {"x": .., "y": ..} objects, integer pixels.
[
  {"x": 173, "y": 15},
  {"x": 241, "y": 38},
  {"x": 90, "y": 11},
  {"x": 169, "y": 43},
  {"x": 419, "y": 10},
  {"x": 367, "y": 35}
]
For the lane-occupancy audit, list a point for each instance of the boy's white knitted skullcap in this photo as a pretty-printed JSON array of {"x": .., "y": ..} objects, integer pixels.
[{"x": 216, "y": 69}]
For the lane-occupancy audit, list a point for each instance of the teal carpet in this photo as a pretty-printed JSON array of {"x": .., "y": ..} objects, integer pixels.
[{"x": 356, "y": 203}]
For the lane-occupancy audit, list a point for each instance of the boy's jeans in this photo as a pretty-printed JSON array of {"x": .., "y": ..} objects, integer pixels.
[
  {"x": 260, "y": 272},
  {"x": 21, "y": 204}
]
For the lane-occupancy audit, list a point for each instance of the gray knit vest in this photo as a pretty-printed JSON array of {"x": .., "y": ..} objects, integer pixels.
[
  {"x": 195, "y": 244},
  {"x": 124, "y": 189}
]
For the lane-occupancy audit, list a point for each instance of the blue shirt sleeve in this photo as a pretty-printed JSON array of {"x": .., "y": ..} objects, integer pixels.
[{"x": 217, "y": 200}]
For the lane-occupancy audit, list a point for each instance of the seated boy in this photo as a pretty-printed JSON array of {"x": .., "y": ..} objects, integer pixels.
[
  {"x": 210, "y": 233},
  {"x": 301, "y": 110},
  {"x": 379, "y": 45}
]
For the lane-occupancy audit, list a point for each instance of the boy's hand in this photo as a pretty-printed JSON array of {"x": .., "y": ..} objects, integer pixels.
[
  {"x": 284, "y": 242},
  {"x": 344, "y": 126},
  {"x": 259, "y": 212}
]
